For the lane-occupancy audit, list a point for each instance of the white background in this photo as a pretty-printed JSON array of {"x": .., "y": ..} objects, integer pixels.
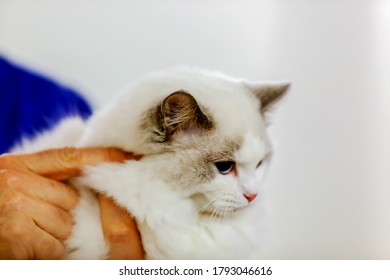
[{"x": 328, "y": 190}]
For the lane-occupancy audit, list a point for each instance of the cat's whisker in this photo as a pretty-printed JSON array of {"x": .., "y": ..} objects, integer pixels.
[
  {"x": 214, "y": 214},
  {"x": 223, "y": 216},
  {"x": 211, "y": 216},
  {"x": 221, "y": 213},
  {"x": 229, "y": 212},
  {"x": 203, "y": 208}
]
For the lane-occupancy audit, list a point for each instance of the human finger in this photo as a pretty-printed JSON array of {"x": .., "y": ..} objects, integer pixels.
[
  {"x": 20, "y": 237},
  {"x": 47, "y": 247},
  {"x": 120, "y": 231},
  {"x": 51, "y": 219},
  {"x": 63, "y": 163},
  {"x": 43, "y": 246},
  {"x": 38, "y": 187}
]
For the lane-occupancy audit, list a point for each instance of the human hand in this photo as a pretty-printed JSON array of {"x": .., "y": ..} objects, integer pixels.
[{"x": 34, "y": 204}]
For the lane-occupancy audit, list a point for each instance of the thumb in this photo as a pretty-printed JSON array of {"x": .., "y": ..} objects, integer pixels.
[{"x": 120, "y": 231}]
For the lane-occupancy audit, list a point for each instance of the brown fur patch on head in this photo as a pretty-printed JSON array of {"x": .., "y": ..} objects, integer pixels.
[{"x": 178, "y": 113}]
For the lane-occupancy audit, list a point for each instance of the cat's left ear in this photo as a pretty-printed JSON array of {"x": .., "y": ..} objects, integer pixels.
[
  {"x": 269, "y": 94},
  {"x": 181, "y": 116}
]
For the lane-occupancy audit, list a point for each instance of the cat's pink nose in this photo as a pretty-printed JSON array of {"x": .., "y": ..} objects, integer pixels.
[{"x": 250, "y": 197}]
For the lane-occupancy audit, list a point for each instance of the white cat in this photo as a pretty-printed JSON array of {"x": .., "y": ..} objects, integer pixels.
[{"x": 193, "y": 193}]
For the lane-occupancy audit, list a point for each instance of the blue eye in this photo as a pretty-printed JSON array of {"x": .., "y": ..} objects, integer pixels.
[{"x": 225, "y": 167}]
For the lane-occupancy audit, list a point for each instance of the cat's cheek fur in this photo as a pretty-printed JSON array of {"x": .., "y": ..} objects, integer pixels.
[{"x": 223, "y": 192}]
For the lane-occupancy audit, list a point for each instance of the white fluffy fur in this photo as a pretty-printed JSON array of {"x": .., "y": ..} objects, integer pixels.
[{"x": 167, "y": 213}]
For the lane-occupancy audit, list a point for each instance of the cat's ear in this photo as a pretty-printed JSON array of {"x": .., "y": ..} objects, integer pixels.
[
  {"x": 181, "y": 116},
  {"x": 269, "y": 94}
]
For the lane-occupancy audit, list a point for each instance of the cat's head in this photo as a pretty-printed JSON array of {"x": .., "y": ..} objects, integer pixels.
[
  {"x": 216, "y": 144},
  {"x": 210, "y": 129}
]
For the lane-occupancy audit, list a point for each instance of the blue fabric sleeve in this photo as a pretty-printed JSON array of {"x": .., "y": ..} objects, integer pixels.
[{"x": 31, "y": 103}]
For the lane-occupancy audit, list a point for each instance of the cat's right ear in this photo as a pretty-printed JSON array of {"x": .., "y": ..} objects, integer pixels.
[
  {"x": 269, "y": 94},
  {"x": 180, "y": 115}
]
